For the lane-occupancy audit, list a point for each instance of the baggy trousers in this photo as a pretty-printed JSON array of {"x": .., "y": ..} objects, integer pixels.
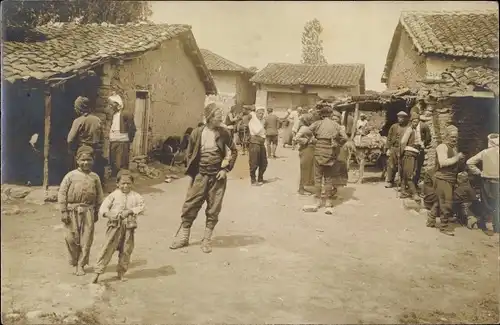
[
  {"x": 204, "y": 188},
  {"x": 119, "y": 155},
  {"x": 444, "y": 204},
  {"x": 80, "y": 235},
  {"x": 409, "y": 163},
  {"x": 257, "y": 159},
  {"x": 490, "y": 201},
  {"x": 420, "y": 165},
  {"x": 306, "y": 155},
  {"x": 393, "y": 164},
  {"x": 323, "y": 173},
  {"x": 118, "y": 238}
]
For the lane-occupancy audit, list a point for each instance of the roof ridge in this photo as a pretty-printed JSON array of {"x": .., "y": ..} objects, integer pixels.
[
  {"x": 318, "y": 65},
  {"x": 448, "y": 12}
]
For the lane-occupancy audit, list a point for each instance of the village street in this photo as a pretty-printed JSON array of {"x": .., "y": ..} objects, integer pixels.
[{"x": 370, "y": 262}]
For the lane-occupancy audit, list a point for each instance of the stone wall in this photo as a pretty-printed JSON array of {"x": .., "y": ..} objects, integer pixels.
[
  {"x": 407, "y": 67},
  {"x": 470, "y": 115}
]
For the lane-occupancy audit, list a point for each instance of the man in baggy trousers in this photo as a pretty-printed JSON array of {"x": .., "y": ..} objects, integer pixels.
[{"x": 205, "y": 155}]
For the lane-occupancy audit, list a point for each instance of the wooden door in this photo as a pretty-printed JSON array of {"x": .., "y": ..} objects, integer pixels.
[{"x": 139, "y": 146}]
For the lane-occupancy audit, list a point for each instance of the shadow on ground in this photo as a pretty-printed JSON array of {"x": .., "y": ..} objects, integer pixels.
[
  {"x": 112, "y": 267},
  {"x": 233, "y": 241},
  {"x": 162, "y": 271},
  {"x": 344, "y": 194}
]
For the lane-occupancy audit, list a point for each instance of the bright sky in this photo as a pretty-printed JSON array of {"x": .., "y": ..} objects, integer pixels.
[{"x": 254, "y": 33}]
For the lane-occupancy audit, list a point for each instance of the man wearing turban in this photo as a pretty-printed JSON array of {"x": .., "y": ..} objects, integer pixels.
[
  {"x": 121, "y": 135},
  {"x": 445, "y": 179},
  {"x": 87, "y": 131},
  {"x": 206, "y": 152}
]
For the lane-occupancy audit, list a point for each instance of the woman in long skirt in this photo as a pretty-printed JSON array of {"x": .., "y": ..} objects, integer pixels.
[{"x": 305, "y": 139}]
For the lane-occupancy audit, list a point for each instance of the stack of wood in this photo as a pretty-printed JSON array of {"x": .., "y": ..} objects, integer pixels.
[{"x": 143, "y": 168}]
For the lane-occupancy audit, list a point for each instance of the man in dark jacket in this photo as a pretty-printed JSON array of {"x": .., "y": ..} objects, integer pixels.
[
  {"x": 86, "y": 130},
  {"x": 121, "y": 135},
  {"x": 205, "y": 156},
  {"x": 393, "y": 147}
]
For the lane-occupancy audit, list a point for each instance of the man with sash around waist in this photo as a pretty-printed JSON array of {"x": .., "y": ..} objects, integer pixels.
[
  {"x": 445, "y": 179},
  {"x": 206, "y": 152},
  {"x": 257, "y": 149},
  {"x": 412, "y": 145},
  {"x": 329, "y": 137}
]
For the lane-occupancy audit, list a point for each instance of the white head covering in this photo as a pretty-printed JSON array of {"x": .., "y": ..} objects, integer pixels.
[
  {"x": 493, "y": 140},
  {"x": 116, "y": 99},
  {"x": 402, "y": 113}
]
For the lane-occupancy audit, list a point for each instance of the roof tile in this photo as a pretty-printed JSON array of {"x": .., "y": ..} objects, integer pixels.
[
  {"x": 333, "y": 75},
  {"x": 469, "y": 34},
  {"x": 71, "y": 46},
  {"x": 216, "y": 62}
]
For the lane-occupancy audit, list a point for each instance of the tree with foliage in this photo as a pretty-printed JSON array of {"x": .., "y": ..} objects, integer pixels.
[
  {"x": 27, "y": 14},
  {"x": 312, "y": 45}
]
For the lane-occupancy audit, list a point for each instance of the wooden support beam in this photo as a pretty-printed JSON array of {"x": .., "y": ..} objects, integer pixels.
[
  {"x": 46, "y": 137},
  {"x": 355, "y": 121}
]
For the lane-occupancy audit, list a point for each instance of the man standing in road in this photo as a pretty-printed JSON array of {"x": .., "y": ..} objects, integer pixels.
[
  {"x": 271, "y": 126},
  {"x": 121, "y": 135},
  {"x": 329, "y": 137},
  {"x": 206, "y": 152},
  {"x": 87, "y": 131},
  {"x": 257, "y": 149},
  {"x": 445, "y": 179},
  {"x": 393, "y": 147}
]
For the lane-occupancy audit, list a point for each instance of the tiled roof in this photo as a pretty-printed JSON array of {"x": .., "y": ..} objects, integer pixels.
[
  {"x": 216, "y": 62},
  {"x": 70, "y": 47},
  {"x": 333, "y": 75},
  {"x": 450, "y": 33}
]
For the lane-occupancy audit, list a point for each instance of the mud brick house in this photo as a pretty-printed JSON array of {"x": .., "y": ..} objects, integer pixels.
[
  {"x": 231, "y": 80},
  {"x": 449, "y": 59},
  {"x": 285, "y": 85},
  {"x": 157, "y": 69}
]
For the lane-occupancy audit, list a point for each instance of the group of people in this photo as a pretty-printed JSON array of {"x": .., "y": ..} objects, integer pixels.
[
  {"x": 448, "y": 191},
  {"x": 87, "y": 130}
]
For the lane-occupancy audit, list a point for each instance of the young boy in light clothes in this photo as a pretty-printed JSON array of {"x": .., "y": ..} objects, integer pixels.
[{"x": 121, "y": 208}]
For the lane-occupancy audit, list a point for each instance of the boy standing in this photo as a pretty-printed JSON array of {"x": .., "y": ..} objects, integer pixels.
[
  {"x": 271, "y": 126},
  {"x": 79, "y": 197},
  {"x": 121, "y": 208}
]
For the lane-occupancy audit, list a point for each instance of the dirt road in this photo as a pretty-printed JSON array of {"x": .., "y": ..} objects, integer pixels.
[{"x": 370, "y": 262}]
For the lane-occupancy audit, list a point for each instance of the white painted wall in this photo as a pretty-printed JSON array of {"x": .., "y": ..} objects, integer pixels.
[{"x": 226, "y": 83}]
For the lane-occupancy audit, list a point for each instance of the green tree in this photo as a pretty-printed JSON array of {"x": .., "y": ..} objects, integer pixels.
[
  {"x": 312, "y": 45},
  {"x": 27, "y": 14}
]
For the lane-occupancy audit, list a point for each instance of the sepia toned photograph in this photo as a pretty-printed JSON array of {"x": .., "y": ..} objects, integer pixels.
[{"x": 250, "y": 162}]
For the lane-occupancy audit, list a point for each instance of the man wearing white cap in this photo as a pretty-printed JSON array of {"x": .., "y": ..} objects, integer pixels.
[
  {"x": 489, "y": 158},
  {"x": 121, "y": 135},
  {"x": 393, "y": 147}
]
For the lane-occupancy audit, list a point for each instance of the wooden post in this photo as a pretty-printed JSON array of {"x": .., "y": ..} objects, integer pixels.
[
  {"x": 355, "y": 121},
  {"x": 46, "y": 137}
]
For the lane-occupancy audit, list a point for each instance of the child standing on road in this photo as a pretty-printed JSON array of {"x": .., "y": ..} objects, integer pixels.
[
  {"x": 79, "y": 197},
  {"x": 121, "y": 208}
]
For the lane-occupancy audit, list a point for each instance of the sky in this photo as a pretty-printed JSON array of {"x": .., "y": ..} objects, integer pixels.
[{"x": 255, "y": 33}]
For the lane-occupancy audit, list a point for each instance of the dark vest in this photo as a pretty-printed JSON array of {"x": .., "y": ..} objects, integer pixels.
[{"x": 448, "y": 173}]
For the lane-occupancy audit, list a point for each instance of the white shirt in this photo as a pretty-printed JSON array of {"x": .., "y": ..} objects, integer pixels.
[
  {"x": 256, "y": 126},
  {"x": 208, "y": 140},
  {"x": 114, "y": 133}
]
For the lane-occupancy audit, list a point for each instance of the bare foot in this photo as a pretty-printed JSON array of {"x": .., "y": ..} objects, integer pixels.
[
  {"x": 79, "y": 271},
  {"x": 96, "y": 278}
]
